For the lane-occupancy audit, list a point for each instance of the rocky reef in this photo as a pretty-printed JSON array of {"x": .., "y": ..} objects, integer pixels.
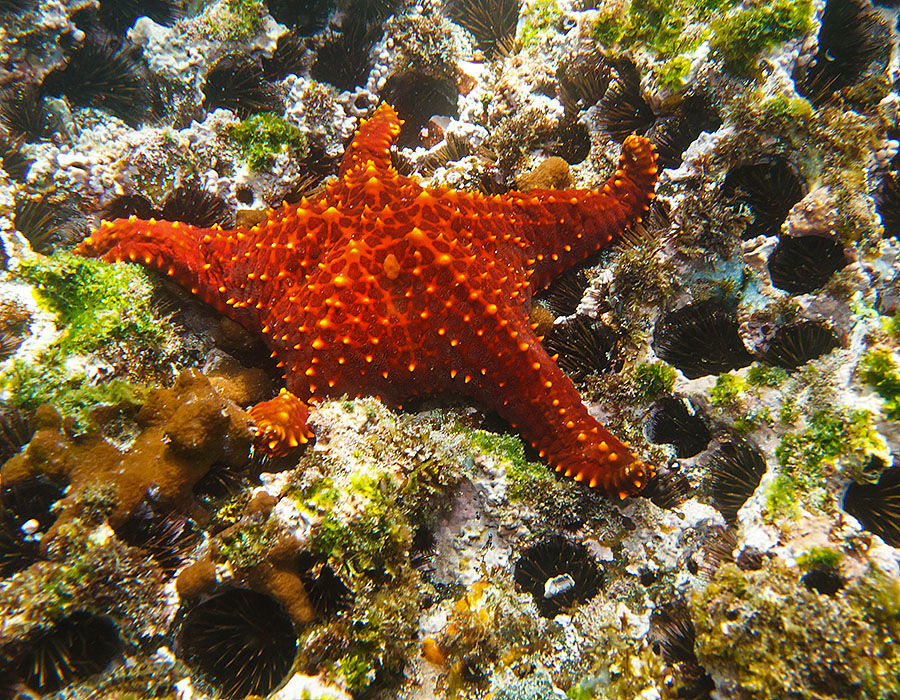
[{"x": 744, "y": 338}]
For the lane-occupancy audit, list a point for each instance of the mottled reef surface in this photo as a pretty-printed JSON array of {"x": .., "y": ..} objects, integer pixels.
[{"x": 743, "y": 338}]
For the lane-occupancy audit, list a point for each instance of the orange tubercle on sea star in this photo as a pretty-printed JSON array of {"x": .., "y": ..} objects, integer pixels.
[{"x": 381, "y": 287}]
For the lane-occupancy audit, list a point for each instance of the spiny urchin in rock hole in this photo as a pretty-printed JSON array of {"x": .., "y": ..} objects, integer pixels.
[
  {"x": 623, "y": 110},
  {"x": 13, "y": 158},
  {"x": 304, "y": 17},
  {"x": 237, "y": 83},
  {"x": 189, "y": 203},
  {"x": 803, "y": 264},
  {"x": 491, "y": 22},
  {"x": 559, "y": 574},
  {"x": 877, "y": 506},
  {"x": 852, "y": 37},
  {"x": 343, "y": 60},
  {"x": 36, "y": 219},
  {"x": 25, "y": 515},
  {"x": 582, "y": 79},
  {"x": 676, "y": 421},
  {"x": 239, "y": 642},
  {"x": 104, "y": 75},
  {"x": 418, "y": 97},
  {"x": 701, "y": 338},
  {"x": 584, "y": 346},
  {"x": 768, "y": 188},
  {"x": 21, "y": 111},
  {"x": 167, "y": 537},
  {"x": 795, "y": 344},
  {"x": 735, "y": 469},
  {"x": 564, "y": 294},
  {"x": 668, "y": 489},
  {"x": 75, "y": 648}
]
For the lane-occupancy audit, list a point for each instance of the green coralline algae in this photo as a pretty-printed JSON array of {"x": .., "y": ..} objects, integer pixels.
[
  {"x": 262, "y": 136},
  {"x": 672, "y": 30},
  {"x": 98, "y": 305},
  {"x": 878, "y": 371},
  {"x": 97, "y": 302},
  {"x": 764, "y": 636}
]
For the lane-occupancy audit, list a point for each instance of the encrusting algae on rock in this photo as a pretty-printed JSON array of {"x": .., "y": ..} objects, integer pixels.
[{"x": 173, "y": 525}]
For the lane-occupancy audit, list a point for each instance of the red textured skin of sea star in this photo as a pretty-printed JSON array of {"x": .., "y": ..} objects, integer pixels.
[{"x": 382, "y": 287}]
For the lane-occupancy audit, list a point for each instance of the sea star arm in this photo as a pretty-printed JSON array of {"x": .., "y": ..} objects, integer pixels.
[
  {"x": 541, "y": 402},
  {"x": 373, "y": 141},
  {"x": 562, "y": 227}
]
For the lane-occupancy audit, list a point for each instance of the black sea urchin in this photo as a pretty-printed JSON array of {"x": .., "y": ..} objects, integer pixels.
[
  {"x": 823, "y": 579},
  {"x": 584, "y": 346},
  {"x": 877, "y": 506},
  {"x": 325, "y": 589},
  {"x": 292, "y": 56},
  {"x": 14, "y": 161},
  {"x": 795, "y": 344},
  {"x": 102, "y": 75},
  {"x": 583, "y": 80},
  {"x": 558, "y": 573},
  {"x": 24, "y": 516},
  {"x": 768, "y": 189},
  {"x": 802, "y": 264},
  {"x": 16, "y": 430},
  {"x": 305, "y": 17},
  {"x": 667, "y": 489},
  {"x": 193, "y": 205},
  {"x": 344, "y": 59},
  {"x": 673, "y": 634},
  {"x": 22, "y": 111},
  {"x": 239, "y": 642},
  {"x": 623, "y": 109},
  {"x": 675, "y": 421},
  {"x": 36, "y": 219},
  {"x": 237, "y": 83},
  {"x": 167, "y": 538},
  {"x": 77, "y": 647},
  {"x": 735, "y": 470},
  {"x": 417, "y": 97},
  {"x": 852, "y": 36},
  {"x": 572, "y": 142},
  {"x": 119, "y": 15},
  {"x": 564, "y": 294},
  {"x": 701, "y": 338},
  {"x": 491, "y": 22},
  {"x": 128, "y": 205}
]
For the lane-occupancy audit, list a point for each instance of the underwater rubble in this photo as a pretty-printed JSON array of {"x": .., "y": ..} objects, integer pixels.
[{"x": 743, "y": 338}]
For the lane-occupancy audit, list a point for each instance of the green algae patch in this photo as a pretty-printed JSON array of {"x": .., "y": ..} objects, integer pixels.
[
  {"x": 241, "y": 20},
  {"x": 820, "y": 558},
  {"x": 652, "y": 379},
  {"x": 842, "y": 439},
  {"x": 71, "y": 393},
  {"x": 764, "y": 376},
  {"x": 539, "y": 19},
  {"x": 98, "y": 305},
  {"x": 772, "y": 638},
  {"x": 728, "y": 390},
  {"x": 97, "y": 302},
  {"x": 878, "y": 370},
  {"x": 671, "y": 30},
  {"x": 741, "y": 35},
  {"x": 261, "y": 137},
  {"x": 522, "y": 474}
]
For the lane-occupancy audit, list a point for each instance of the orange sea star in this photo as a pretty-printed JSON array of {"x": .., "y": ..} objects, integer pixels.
[{"x": 383, "y": 287}]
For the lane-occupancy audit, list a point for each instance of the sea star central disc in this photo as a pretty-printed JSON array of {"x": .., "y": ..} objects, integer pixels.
[{"x": 382, "y": 287}]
